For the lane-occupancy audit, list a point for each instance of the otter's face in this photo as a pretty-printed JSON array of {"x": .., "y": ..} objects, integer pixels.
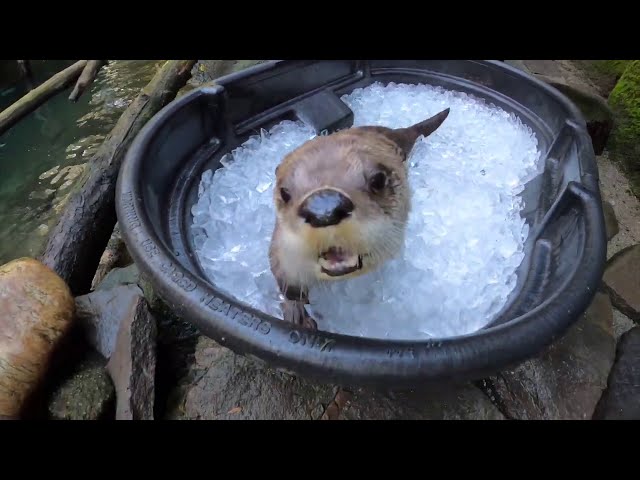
[{"x": 342, "y": 204}]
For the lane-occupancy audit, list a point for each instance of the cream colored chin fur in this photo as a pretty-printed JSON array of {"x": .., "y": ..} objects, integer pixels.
[{"x": 375, "y": 241}]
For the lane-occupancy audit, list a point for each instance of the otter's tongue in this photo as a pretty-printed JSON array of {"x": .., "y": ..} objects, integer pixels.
[
  {"x": 335, "y": 255},
  {"x": 336, "y": 262}
]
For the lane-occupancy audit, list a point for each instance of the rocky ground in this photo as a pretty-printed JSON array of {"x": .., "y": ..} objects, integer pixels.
[{"x": 143, "y": 363}]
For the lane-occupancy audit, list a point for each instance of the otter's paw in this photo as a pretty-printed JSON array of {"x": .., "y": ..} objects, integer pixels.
[
  {"x": 295, "y": 313},
  {"x": 308, "y": 322}
]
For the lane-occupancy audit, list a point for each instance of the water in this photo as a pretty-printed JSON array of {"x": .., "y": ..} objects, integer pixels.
[{"x": 43, "y": 156}]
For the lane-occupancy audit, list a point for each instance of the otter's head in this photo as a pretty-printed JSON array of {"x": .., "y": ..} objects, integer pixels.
[{"x": 343, "y": 200}]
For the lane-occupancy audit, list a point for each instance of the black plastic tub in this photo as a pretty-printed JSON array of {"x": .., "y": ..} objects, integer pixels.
[{"x": 565, "y": 253}]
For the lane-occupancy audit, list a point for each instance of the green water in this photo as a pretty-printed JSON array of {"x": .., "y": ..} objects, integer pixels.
[{"x": 43, "y": 156}]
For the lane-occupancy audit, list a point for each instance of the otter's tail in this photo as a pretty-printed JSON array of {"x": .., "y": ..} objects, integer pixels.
[
  {"x": 406, "y": 137},
  {"x": 428, "y": 126}
]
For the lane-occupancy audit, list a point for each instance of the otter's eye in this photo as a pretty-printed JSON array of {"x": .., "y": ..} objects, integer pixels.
[
  {"x": 286, "y": 196},
  {"x": 378, "y": 181}
]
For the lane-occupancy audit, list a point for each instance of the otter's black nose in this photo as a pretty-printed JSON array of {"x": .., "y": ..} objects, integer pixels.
[{"x": 325, "y": 208}]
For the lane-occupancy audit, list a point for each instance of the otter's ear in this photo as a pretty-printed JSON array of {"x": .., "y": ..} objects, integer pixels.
[
  {"x": 278, "y": 169},
  {"x": 406, "y": 137}
]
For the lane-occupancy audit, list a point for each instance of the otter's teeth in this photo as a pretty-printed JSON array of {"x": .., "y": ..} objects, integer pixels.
[
  {"x": 337, "y": 262},
  {"x": 347, "y": 262}
]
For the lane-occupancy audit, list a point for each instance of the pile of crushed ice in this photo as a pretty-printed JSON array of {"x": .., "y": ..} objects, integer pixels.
[{"x": 465, "y": 235}]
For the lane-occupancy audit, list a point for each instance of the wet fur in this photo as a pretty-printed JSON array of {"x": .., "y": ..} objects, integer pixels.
[{"x": 345, "y": 161}]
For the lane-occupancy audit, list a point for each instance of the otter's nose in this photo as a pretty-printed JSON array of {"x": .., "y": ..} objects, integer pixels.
[{"x": 325, "y": 208}]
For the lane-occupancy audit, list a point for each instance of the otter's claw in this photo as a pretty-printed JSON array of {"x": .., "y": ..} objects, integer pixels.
[
  {"x": 310, "y": 323},
  {"x": 295, "y": 313}
]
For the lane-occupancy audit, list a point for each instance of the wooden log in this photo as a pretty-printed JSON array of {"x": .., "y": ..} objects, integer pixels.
[
  {"x": 86, "y": 78},
  {"x": 76, "y": 243},
  {"x": 36, "y": 97}
]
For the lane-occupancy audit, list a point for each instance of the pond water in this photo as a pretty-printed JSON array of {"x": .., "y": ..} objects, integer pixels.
[{"x": 44, "y": 155}]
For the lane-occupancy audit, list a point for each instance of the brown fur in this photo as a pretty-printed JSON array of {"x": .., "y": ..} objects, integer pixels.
[{"x": 348, "y": 162}]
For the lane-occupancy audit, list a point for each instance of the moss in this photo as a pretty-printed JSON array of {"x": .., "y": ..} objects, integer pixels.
[
  {"x": 624, "y": 143},
  {"x": 603, "y": 73},
  {"x": 88, "y": 394},
  {"x": 615, "y": 67}
]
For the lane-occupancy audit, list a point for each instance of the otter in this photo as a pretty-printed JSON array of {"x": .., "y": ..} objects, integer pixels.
[{"x": 342, "y": 203}]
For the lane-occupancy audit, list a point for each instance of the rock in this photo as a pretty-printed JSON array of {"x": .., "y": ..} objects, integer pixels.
[
  {"x": 101, "y": 313},
  {"x": 622, "y": 281},
  {"x": 464, "y": 402},
  {"x": 566, "y": 381},
  {"x": 336, "y": 406},
  {"x": 594, "y": 108},
  {"x": 621, "y": 401},
  {"x": 176, "y": 339},
  {"x": 549, "y": 68},
  {"x": 176, "y": 345},
  {"x": 610, "y": 220},
  {"x": 120, "y": 276},
  {"x": 621, "y": 324},
  {"x": 36, "y": 311},
  {"x": 132, "y": 365},
  {"x": 88, "y": 394},
  {"x": 118, "y": 324},
  {"x": 624, "y": 100},
  {"x": 208, "y": 70},
  {"x": 223, "y": 386},
  {"x": 616, "y": 188},
  {"x": 604, "y": 74},
  {"x": 115, "y": 255}
]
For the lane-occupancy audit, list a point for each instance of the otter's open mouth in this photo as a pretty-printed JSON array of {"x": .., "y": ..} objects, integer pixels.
[{"x": 336, "y": 262}]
